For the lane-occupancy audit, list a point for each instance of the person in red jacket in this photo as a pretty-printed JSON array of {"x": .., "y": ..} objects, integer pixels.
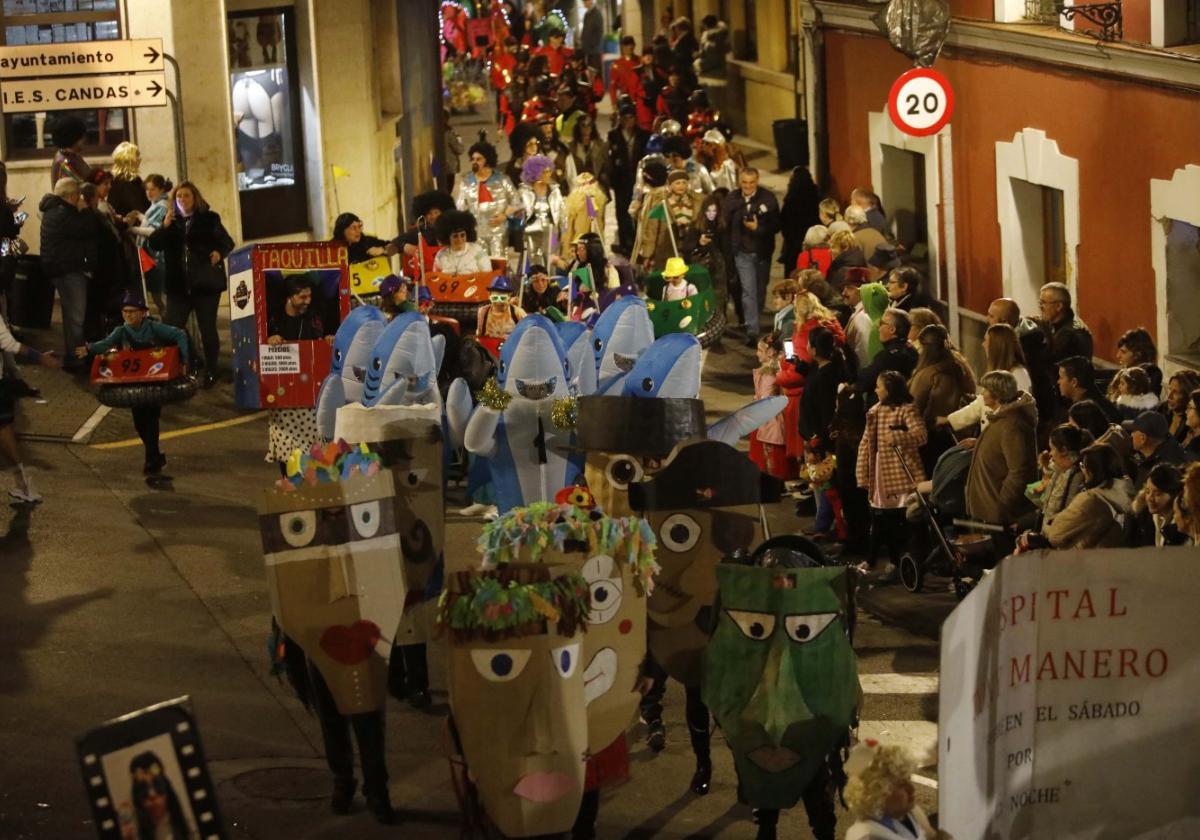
[
  {"x": 816, "y": 253},
  {"x": 623, "y": 76},
  {"x": 809, "y": 314},
  {"x": 556, "y": 54}
]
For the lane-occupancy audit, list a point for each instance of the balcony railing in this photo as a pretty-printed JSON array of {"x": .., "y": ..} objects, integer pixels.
[{"x": 1105, "y": 16}]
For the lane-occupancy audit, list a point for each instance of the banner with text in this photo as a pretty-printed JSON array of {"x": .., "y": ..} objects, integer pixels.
[{"x": 1068, "y": 698}]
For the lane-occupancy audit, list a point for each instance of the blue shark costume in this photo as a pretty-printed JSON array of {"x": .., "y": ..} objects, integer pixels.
[
  {"x": 621, "y": 334},
  {"x": 352, "y": 347},
  {"x": 404, "y": 364},
  {"x": 530, "y": 458},
  {"x": 576, "y": 338}
]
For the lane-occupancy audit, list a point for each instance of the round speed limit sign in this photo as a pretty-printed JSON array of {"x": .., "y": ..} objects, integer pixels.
[{"x": 921, "y": 102}]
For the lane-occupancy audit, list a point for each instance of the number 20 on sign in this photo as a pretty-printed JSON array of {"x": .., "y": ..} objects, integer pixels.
[{"x": 921, "y": 102}]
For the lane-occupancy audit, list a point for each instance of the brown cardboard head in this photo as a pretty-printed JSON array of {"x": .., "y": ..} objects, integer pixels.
[
  {"x": 703, "y": 505},
  {"x": 615, "y": 556},
  {"x": 626, "y": 438},
  {"x": 336, "y": 579},
  {"x": 409, "y": 438},
  {"x": 516, "y": 693}
]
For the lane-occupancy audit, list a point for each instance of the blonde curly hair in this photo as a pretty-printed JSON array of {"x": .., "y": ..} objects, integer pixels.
[
  {"x": 127, "y": 158},
  {"x": 868, "y": 790}
]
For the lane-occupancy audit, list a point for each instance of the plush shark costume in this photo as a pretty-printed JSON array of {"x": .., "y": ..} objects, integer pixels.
[
  {"x": 530, "y": 457},
  {"x": 352, "y": 346},
  {"x": 404, "y": 364}
]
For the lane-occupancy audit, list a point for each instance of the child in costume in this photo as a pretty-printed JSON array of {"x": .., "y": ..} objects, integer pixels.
[
  {"x": 767, "y": 447},
  {"x": 677, "y": 287},
  {"x": 499, "y": 317},
  {"x": 820, "y": 465},
  {"x": 880, "y": 795}
]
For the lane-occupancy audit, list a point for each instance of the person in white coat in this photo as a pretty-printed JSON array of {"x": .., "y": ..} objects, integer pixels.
[{"x": 881, "y": 797}]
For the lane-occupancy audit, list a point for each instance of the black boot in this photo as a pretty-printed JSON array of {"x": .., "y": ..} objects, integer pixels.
[
  {"x": 343, "y": 796},
  {"x": 379, "y": 803},
  {"x": 656, "y": 734},
  {"x": 703, "y": 775},
  {"x": 767, "y": 820}
]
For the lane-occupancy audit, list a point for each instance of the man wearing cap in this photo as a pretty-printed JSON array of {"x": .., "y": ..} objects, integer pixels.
[
  {"x": 677, "y": 287},
  {"x": 626, "y": 148},
  {"x": 1152, "y": 445},
  {"x": 498, "y": 318},
  {"x": 140, "y": 333},
  {"x": 679, "y": 157}
]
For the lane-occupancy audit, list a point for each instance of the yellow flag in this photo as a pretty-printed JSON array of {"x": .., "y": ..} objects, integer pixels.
[{"x": 338, "y": 172}]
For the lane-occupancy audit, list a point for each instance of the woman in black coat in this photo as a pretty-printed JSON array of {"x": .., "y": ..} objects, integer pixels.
[
  {"x": 798, "y": 213},
  {"x": 818, "y": 403},
  {"x": 194, "y": 243}
]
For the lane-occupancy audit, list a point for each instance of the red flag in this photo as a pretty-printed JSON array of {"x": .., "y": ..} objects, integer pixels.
[
  {"x": 484, "y": 193},
  {"x": 147, "y": 261}
]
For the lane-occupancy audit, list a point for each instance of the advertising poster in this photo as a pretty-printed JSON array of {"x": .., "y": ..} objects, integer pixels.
[{"x": 1068, "y": 698}]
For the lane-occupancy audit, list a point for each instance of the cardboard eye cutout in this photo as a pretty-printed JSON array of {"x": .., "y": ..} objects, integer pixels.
[
  {"x": 515, "y": 642},
  {"x": 703, "y": 504},
  {"x": 614, "y": 556},
  {"x": 336, "y": 580},
  {"x": 780, "y": 676},
  {"x": 623, "y": 438}
]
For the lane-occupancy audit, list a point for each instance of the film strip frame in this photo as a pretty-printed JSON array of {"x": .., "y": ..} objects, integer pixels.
[{"x": 174, "y": 719}]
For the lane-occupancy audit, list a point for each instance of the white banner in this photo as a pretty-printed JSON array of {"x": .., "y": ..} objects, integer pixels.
[{"x": 1070, "y": 699}]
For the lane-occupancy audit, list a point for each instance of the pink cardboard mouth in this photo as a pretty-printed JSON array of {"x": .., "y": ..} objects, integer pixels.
[
  {"x": 544, "y": 787},
  {"x": 774, "y": 759}
]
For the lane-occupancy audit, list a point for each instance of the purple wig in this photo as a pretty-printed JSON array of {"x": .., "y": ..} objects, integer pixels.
[{"x": 533, "y": 168}]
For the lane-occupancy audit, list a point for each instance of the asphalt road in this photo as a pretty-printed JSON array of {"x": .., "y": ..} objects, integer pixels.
[{"x": 116, "y": 595}]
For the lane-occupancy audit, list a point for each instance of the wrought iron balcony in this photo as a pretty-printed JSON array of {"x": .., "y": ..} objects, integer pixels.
[{"x": 1107, "y": 16}]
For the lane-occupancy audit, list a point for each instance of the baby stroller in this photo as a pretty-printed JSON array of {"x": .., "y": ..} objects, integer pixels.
[{"x": 960, "y": 548}]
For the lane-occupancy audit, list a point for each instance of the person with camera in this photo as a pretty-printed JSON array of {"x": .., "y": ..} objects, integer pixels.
[{"x": 752, "y": 219}]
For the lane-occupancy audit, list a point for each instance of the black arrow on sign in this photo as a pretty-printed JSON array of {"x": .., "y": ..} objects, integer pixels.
[
  {"x": 155, "y": 88},
  {"x": 152, "y": 54}
]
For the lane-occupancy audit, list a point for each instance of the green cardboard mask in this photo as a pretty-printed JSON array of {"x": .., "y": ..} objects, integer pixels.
[{"x": 780, "y": 676}]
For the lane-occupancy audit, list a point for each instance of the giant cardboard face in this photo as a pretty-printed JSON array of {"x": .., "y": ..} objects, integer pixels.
[
  {"x": 615, "y": 556},
  {"x": 336, "y": 579},
  {"x": 703, "y": 505},
  {"x": 625, "y": 439},
  {"x": 780, "y": 676},
  {"x": 516, "y": 693}
]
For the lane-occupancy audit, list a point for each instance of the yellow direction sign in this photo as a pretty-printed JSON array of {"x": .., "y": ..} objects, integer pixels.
[
  {"x": 41, "y": 60},
  {"x": 77, "y": 92}
]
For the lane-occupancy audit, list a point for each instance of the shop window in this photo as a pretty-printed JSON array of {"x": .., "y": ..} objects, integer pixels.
[
  {"x": 264, "y": 97},
  {"x": 30, "y": 22}
]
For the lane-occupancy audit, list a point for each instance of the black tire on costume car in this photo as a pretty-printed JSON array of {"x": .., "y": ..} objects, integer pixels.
[{"x": 147, "y": 393}]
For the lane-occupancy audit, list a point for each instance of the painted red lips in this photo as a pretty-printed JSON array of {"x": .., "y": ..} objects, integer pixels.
[{"x": 350, "y": 644}]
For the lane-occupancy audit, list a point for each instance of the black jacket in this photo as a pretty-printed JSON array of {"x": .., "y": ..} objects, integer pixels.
[
  {"x": 1070, "y": 337},
  {"x": 818, "y": 402},
  {"x": 762, "y": 205},
  {"x": 896, "y": 355},
  {"x": 1168, "y": 452},
  {"x": 70, "y": 238},
  {"x": 185, "y": 246},
  {"x": 624, "y": 156}
]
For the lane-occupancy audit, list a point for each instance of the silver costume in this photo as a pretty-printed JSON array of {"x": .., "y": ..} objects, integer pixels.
[
  {"x": 544, "y": 216},
  {"x": 726, "y": 175},
  {"x": 494, "y": 238}
]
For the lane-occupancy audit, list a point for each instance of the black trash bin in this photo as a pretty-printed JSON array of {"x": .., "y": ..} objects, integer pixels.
[
  {"x": 791, "y": 143},
  {"x": 31, "y": 296}
]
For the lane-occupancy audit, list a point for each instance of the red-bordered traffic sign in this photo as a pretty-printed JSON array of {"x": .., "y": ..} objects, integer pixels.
[{"x": 921, "y": 102}]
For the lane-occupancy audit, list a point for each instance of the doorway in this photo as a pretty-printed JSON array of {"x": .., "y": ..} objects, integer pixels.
[
  {"x": 1042, "y": 255},
  {"x": 904, "y": 185},
  {"x": 1183, "y": 290}
]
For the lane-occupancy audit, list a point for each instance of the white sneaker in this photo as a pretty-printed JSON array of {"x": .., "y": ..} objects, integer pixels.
[
  {"x": 27, "y": 496},
  {"x": 491, "y": 513},
  {"x": 473, "y": 510}
]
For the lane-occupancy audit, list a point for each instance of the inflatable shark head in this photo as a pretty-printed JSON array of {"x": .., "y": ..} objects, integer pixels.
[
  {"x": 669, "y": 368},
  {"x": 622, "y": 332},
  {"x": 352, "y": 347},
  {"x": 403, "y": 366},
  {"x": 533, "y": 361},
  {"x": 577, "y": 341}
]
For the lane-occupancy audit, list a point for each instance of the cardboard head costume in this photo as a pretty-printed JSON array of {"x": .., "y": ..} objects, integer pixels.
[
  {"x": 334, "y": 568},
  {"x": 409, "y": 441},
  {"x": 780, "y": 675},
  {"x": 703, "y": 505},
  {"x": 624, "y": 438},
  {"x": 516, "y": 692},
  {"x": 615, "y": 556}
]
